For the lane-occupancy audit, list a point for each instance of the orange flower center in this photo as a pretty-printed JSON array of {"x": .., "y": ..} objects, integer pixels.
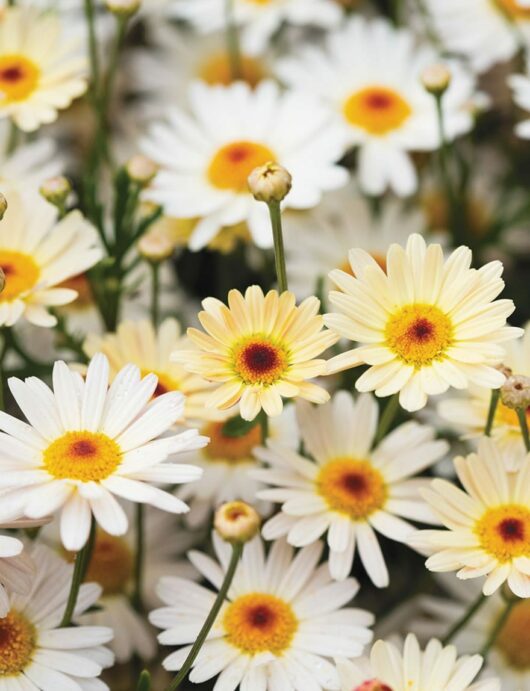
[
  {"x": 111, "y": 564},
  {"x": 17, "y": 644},
  {"x": 258, "y": 360},
  {"x": 513, "y": 640},
  {"x": 21, "y": 274},
  {"x": 217, "y": 70},
  {"x": 18, "y": 78},
  {"x": 504, "y": 532},
  {"x": 376, "y": 109},
  {"x": 231, "y": 450},
  {"x": 84, "y": 456},
  {"x": 352, "y": 487},
  {"x": 165, "y": 384},
  {"x": 513, "y": 9},
  {"x": 81, "y": 284},
  {"x": 232, "y": 164},
  {"x": 258, "y": 622}
]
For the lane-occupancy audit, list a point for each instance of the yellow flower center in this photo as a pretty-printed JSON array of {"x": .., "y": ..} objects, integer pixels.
[
  {"x": 419, "y": 334},
  {"x": 259, "y": 622},
  {"x": 352, "y": 487},
  {"x": 504, "y": 532},
  {"x": 81, "y": 284},
  {"x": 217, "y": 70},
  {"x": 512, "y": 8},
  {"x": 231, "y": 450},
  {"x": 21, "y": 274},
  {"x": 111, "y": 564},
  {"x": 84, "y": 456},
  {"x": 376, "y": 109},
  {"x": 257, "y": 360},
  {"x": 18, "y": 78},
  {"x": 513, "y": 640},
  {"x": 17, "y": 644},
  {"x": 233, "y": 163},
  {"x": 165, "y": 384},
  {"x": 508, "y": 416}
]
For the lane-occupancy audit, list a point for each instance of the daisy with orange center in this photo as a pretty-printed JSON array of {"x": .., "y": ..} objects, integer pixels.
[
  {"x": 424, "y": 324},
  {"x": 488, "y": 522},
  {"x": 350, "y": 491},
  {"x": 258, "y": 349}
]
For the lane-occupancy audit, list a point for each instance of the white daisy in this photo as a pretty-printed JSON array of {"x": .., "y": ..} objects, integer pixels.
[
  {"x": 37, "y": 655},
  {"x": 483, "y": 31},
  {"x": 282, "y": 621},
  {"x": 86, "y": 442},
  {"x": 487, "y": 523},
  {"x": 469, "y": 413},
  {"x": 370, "y": 75},
  {"x": 260, "y": 19},
  {"x": 37, "y": 253},
  {"x": 350, "y": 491},
  {"x": 16, "y": 569},
  {"x": 520, "y": 85},
  {"x": 424, "y": 325},
  {"x": 42, "y": 69},
  {"x": 227, "y": 462},
  {"x": 319, "y": 241},
  {"x": 207, "y": 155},
  {"x": 437, "y": 668}
]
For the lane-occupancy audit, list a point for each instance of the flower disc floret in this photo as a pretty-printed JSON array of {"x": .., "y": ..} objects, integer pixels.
[
  {"x": 84, "y": 456},
  {"x": 504, "y": 532},
  {"x": 17, "y": 643},
  {"x": 352, "y": 487}
]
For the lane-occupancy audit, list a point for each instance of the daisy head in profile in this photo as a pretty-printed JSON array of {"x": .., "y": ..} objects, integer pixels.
[
  {"x": 42, "y": 70},
  {"x": 424, "y": 324},
  {"x": 86, "y": 442},
  {"x": 487, "y": 522},
  {"x": 258, "y": 349}
]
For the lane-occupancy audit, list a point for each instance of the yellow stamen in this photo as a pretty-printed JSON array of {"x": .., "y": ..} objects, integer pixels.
[
  {"x": 111, "y": 564},
  {"x": 84, "y": 456},
  {"x": 513, "y": 640},
  {"x": 218, "y": 70},
  {"x": 19, "y": 77},
  {"x": 352, "y": 487},
  {"x": 233, "y": 163},
  {"x": 504, "y": 532},
  {"x": 376, "y": 109},
  {"x": 165, "y": 384},
  {"x": 17, "y": 643},
  {"x": 257, "y": 360},
  {"x": 21, "y": 272},
  {"x": 231, "y": 450}
]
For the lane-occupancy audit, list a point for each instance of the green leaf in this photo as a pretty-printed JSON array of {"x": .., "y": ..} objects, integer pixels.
[
  {"x": 237, "y": 427},
  {"x": 144, "y": 682}
]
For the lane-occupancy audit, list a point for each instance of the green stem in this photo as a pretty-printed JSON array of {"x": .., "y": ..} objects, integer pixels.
[
  {"x": 155, "y": 293},
  {"x": 82, "y": 561},
  {"x": 461, "y": 623},
  {"x": 387, "y": 418},
  {"x": 232, "y": 41},
  {"x": 523, "y": 422},
  {"x": 264, "y": 424},
  {"x": 497, "y": 628},
  {"x": 92, "y": 47},
  {"x": 445, "y": 175},
  {"x": 237, "y": 549},
  {"x": 279, "y": 252},
  {"x": 13, "y": 138},
  {"x": 137, "y": 598},
  {"x": 494, "y": 402}
]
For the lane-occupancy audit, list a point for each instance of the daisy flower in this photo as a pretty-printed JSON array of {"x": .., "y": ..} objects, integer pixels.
[
  {"x": 258, "y": 20},
  {"x": 437, "y": 668},
  {"x": 206, "y": 155},
  {"x": 469, "y": 413},
  {"x": 16, "y": 568},
  {"x": 282, "y": 620},
  {"x": 259, "y": 348},
  {"x": 497, "y": 25},
  {"x": 349, "y": 491},
  {"x": 138, "y": 343},
  {"x": 370, "y": 75},
  {"x": 34, "y": 652},
  {"x": 37, "y": 253},
  {"x": 227, "y": 462},
  {"x": 520, "y": 85},
  {"x": 488, "y": 522},
  {"x": 41, "y": 69},
  {"x": 86, "y": 442},
  {"x": 319, "y": 241},
  {"x": 424, "y": 324}
]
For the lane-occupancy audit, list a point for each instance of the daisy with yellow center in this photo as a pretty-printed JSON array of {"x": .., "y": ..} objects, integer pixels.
[
  {"x": 138, "y": 343},
  {"x": 37, "y": 253},
  {"x": 205, "y": 176},
  {"x": 488, "y": 522},
  {"x": 41, "y": 69},
  {"x": 424, "y": 324},
  {"x": 258, "y": 349},
  {"x": 369, "y": 73},
  {"x": 349, "y": 490},
  {"x": 86, "y": 442},
  {"x": 280, "y": 621}
]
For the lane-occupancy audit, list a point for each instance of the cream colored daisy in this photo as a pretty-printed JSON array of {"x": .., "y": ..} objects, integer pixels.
[
  {"x": 42, "y": 69},
  {"x": 488, "y": 522},
  {"x": 37, "y": 253},
  {"x": 137, "y": 342},
  {"x": 259, "y": 348},
  {"x": 469, "y": 413},
  {"x": 424, "y": 324}
]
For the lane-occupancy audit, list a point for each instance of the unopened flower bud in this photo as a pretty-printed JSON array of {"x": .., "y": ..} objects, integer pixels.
[
  {"x": 141, "y": 169},
  {"x": 436, "y": 79},
  {"x": 56, "y": 190},
  {"x": 507, "y": 371},
  {"x": 372, "y": 685},
  {"x": 237, "y": 521},
  {"x": 156, "y": 245},
  {"x": 515, "y": 392},
  {"x": 123, "y": 8},
  {"x": 270, "y": 183},
  {"x": 3, "y": 206}
]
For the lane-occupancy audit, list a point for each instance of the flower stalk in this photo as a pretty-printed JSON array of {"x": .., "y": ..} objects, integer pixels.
[
  {"x": 82, "y": 561},
  {"x": 462, "y": 623}
]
